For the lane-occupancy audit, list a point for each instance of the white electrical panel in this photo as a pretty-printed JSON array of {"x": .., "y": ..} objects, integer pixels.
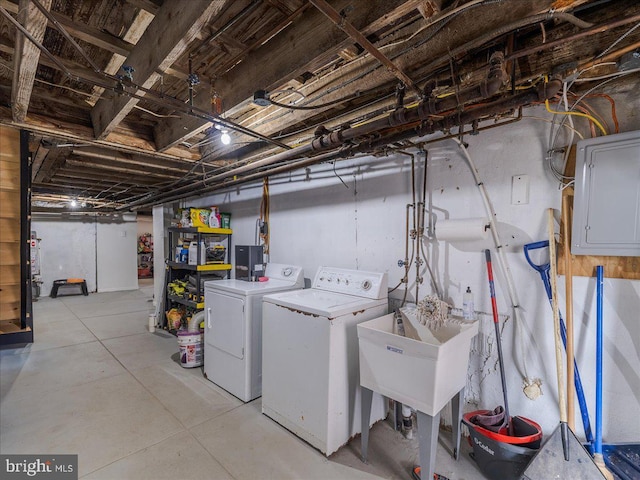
[{"x": 606, "y": 210}]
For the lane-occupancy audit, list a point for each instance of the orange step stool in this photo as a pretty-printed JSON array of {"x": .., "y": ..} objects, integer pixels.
[{"x": 70, "y": 282}]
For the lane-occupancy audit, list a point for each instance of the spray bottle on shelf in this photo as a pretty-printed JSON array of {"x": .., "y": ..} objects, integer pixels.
[{"x": 467, "y": 305}]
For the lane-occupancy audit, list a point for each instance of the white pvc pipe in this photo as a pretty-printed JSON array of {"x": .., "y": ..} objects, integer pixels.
[{"x": 502, "y": 261}]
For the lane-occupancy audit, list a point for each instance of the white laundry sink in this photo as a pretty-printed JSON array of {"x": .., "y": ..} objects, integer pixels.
[{"x": 420, "y": 374}]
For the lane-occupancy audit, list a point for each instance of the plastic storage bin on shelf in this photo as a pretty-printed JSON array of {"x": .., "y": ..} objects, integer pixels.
[{"x": 420, "y": 374}]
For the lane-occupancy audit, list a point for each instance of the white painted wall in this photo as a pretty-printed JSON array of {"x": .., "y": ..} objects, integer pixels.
[
  {"x": 84, "y": 247},
  {"x": 318, "y": 221},
  {"x": 67, "y": 249},
  {"x": 145, "y": 224},
  {"x": 117, "y": 260}
]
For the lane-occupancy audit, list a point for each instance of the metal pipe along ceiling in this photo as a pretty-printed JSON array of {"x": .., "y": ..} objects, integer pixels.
[
  {"x": 426, "y": 110},
  {"x": 341, "y": 144}
]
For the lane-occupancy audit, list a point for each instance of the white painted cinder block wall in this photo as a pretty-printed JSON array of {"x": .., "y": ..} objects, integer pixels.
[
  {"x": 316, "y": 220},
  {"x": 101, "y": 251}
]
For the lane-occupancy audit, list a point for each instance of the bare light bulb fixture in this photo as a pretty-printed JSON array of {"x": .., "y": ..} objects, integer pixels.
[
  {"x": 74, "y": 203},
  {"x": 225, "y": 138}
]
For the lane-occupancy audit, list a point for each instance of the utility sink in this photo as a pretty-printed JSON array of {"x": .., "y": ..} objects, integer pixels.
[{"x": 422, "y": 374}]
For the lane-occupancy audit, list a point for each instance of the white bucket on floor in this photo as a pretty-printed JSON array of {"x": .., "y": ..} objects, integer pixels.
[{"x": 191, "y": 349}]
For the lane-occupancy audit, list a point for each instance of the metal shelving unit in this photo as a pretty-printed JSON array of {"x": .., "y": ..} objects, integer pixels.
[{"x": 177, "y": 270}]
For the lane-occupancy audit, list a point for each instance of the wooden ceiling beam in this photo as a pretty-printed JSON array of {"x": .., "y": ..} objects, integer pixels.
[
  {"x": 70, "y": 189},
  {"x": 74, "y": 68},
  {"x": 78, "y": 133},
  {"x": 49, "y": 96},
  {"x": 99, "y": 176},
  {"x": 25, "y": 61},
  {"x": 179, "y": 166},
  {"x": 112, "y": 168},
  {"x": 272, "y": 63},
  {"x": 312, "y": 36},
  {"x": 38, "y": 158},
  {"x": 338, "y": 19},
  {"x": 52, "y": 162},
  {"x": 172, "y": 30},
  {"x": 122, "y": 165},
  {"x": 96, "y": 37},
  {"x": 173, "y": 131},
  {"x": 133, "y": 34},
  {"x": 150, "y": 6}
]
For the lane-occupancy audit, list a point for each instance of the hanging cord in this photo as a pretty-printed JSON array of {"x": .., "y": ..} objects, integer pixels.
[
  {"x": 264, "y": 215},
  {"x": 532, "y": 386},
  {"x": 338, "y": 175}
]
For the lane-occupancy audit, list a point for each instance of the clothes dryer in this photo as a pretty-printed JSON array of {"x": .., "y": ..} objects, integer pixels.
[{"x": 233, "y": 328}]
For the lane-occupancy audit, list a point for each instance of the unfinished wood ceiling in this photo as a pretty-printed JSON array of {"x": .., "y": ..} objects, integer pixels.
[{"x": 128, "y": 100}]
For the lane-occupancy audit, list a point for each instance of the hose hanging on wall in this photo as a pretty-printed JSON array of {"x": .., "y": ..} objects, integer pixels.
[{"x": 531, "y": 385}]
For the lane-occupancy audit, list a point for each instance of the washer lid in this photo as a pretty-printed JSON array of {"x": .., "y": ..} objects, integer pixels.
[
  {"x": 322, "y": 303},
  {"x": 242, "y": 287}
]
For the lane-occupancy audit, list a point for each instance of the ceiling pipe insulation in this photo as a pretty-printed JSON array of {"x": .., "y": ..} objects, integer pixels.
[{"x": 344, "y": 143}]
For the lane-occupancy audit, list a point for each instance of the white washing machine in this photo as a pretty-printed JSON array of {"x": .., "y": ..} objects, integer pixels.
[
  {"x": 233, "y": 328},
  {"x": 310, "y": 371}
]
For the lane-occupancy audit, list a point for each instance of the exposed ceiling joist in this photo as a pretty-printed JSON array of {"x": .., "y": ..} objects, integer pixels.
[
  {"x": 150, "y": 6},
  {"x": 52, "y": 163},
  {"x": 173, "y": 131},
  {"x": 77, "y": 133},
  {"x": 94, "y": 36},
  {"x": 133, "y": 34},
  {"x": 175, "y": 25},
  {"x": 318, "y": 80},
  {"x": 346, "y": 26},
  {"x": 312, "y": 36},
  {"x": 25, "y": 59},
  {"x": 179, "y": 166},
  {"x": 39, "y": 156},
  {"x": 274, "y": 65},
  {"x": 110, "y": 166}
]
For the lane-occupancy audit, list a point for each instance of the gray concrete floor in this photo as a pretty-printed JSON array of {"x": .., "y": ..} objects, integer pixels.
[{"x": 96, "y": 383}]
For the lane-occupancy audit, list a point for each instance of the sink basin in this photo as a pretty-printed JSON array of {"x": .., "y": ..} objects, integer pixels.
[{"x": 417, "y": 373}]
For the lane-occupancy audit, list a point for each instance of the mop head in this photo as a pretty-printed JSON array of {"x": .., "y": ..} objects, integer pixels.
[{"x": 433, "y": 312}]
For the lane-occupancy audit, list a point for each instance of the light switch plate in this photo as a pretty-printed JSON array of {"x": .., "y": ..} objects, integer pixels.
[{"x": 520, "y": 190}]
